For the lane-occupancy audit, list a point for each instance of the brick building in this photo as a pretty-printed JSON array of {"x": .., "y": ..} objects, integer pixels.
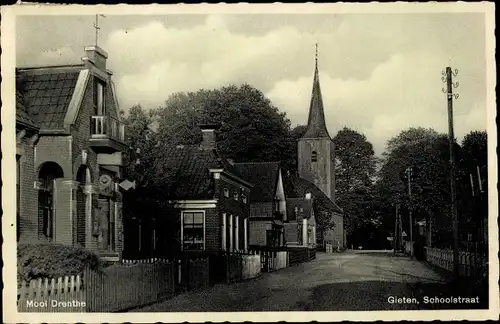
[
  {"x": 300, "y": 226},
  {"x": 267, "y": 202},
  {"x": 210, "y": 202},
  {"x": 26, "y": 139},
  {"x": 69, "y": 190}
]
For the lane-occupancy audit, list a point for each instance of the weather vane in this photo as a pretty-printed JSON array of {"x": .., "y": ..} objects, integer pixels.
[{"x": 97, "y": 28}]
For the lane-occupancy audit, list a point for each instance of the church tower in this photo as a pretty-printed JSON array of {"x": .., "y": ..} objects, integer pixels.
[{"x": 316, "y": 150}]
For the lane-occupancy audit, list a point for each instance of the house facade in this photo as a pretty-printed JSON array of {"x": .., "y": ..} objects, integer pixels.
[
  {"x": 300, "y": 226},
  {"x": 26, "y": 193},
  {"x": 267, "y": 202},
  {"x": 70, "y": 193},
  {"x": 210, "y": 201}
]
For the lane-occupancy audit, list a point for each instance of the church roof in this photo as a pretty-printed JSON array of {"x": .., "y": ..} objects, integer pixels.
[{"x": 316, "y": 125}]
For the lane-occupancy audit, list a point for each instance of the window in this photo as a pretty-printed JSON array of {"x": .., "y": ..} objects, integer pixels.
[
  {"x": 244, "y": 199},
  {"x": 193, "y": 234},
  {"x": 226, "y": 192},
  {"x": 236, "y": 196},
  {"x": 45, "y": 208},
  {"x": 273, "y": 237},
  {"x": 47, "y": 176},
  {"x": 314, "y": 156},
  {"x": 99, "y": 98}
]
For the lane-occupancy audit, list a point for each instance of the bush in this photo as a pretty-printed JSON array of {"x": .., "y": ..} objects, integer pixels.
[{"x": 36, "y": 261}]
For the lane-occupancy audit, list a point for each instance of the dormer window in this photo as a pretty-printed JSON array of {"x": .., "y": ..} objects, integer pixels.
[
  {"x": 226, "y": 192},
  {"x": 314, "y": 156},
  {"x": 99, "y": 97},
  {"x": 236, "y": 196},
  {"x": 244, "y": 199}
]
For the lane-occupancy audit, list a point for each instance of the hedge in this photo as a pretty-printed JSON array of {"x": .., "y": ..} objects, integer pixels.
[{"x": 36, "y": 261}]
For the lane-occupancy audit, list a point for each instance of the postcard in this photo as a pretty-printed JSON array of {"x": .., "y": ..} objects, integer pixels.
[{"x": 241, "y": 162}]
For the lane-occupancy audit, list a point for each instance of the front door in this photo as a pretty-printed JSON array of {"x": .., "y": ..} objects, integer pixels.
[{"x": 103, "y": 216}]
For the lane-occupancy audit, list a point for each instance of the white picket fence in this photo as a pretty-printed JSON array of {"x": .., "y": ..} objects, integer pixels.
[
  {"x": 64, "y": 294},
  {"x": 468, "y": 261},
  {"x": 250, "y": 266},
  {"x": 144, "y": 261}
]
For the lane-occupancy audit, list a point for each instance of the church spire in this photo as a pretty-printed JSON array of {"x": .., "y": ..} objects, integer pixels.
[{"x": 316, "y": 125}]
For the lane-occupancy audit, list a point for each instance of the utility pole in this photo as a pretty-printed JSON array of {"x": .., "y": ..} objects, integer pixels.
[
  {"x": 447, "y": 77},
  {"x": 410, "y": 216},
  {"x": 396, "y": 231}
]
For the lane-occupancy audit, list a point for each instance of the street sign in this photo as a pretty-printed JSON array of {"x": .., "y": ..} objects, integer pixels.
[{"x": 127, "y": 185}]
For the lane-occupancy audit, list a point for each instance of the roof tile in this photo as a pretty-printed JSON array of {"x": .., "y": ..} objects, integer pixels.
[
  {"x": 264, "y": 177},
  {"x": 296, "y": 187},
  {"x": 193, "y": 165},
  {"x": 48, "y": 93}
]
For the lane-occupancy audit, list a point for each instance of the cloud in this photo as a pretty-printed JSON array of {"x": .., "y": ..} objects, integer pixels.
[
  {"x": 54, "y": 56},
  {"x": 405, "y": 91},
  {"x": 379, "y": 73}
]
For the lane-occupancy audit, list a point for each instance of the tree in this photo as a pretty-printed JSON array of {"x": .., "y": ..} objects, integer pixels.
[
  {"x": 252, "y": 128},
  {"x": 472, "y": 202},
  {"x": 427, "y": 152},
  {"x": 355, "y": 166},
  {"x": 150, "y": 202}
]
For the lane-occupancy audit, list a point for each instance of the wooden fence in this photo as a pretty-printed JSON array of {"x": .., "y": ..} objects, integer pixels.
[
  {"x": 121, "y": 287},
  {"x": 116, "y": 288},
  {"x": 471, "y": 264},
  {"x": 272, "y": 260},
  {"x": 51, "y": 296},
  {"x": 193, "y": 274}
]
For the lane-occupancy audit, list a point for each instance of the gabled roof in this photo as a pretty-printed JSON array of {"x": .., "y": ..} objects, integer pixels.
[
  {"x": 22, "y": 116},
  {"x": 193, "y": 165},
  {"x": 316, "y": 125},
  {"x": 47, "y": 93},
  {"x": 264, "y": 177},
  {"x": 297, "y": 187},
  {"x": 304, "y": 208}
]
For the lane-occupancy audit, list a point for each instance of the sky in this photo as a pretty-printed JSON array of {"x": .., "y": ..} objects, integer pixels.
[{"x": 379, "y": 73}]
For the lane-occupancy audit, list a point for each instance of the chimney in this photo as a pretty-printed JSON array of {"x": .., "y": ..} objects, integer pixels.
[
  {"x": 95, "y": 56},
  {"x": 208, "y": 132},
  {"x": 308, "y": 195}
]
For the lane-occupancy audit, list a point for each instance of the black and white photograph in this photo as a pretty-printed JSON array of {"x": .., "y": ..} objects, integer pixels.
[{"x": 249, "y": 162}]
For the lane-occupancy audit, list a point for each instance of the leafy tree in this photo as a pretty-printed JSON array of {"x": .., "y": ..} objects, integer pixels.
[
  {"x": 252, "y": 128},
  {"x": 427, "y": 152},
  {"x": 155, "y": 181},
  {"x": 473, "y": 204},
  {"x": 355, "y": 165}
]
